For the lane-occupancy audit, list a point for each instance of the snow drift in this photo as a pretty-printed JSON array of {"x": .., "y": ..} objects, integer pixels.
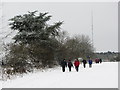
[{"x": 103, "y": 75}]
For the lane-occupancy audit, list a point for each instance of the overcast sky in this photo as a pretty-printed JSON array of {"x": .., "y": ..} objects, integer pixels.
[{"x": 77, "y": 19}]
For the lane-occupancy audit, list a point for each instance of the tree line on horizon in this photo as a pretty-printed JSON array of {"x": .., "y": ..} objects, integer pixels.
[{"x": 108, "y": 55}]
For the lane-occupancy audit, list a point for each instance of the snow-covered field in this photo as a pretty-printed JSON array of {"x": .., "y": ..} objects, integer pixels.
[{"x": 103, "y": 75}]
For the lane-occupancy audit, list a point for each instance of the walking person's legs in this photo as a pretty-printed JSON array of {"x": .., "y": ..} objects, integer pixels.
[
  {"x": 90, "y": 65},
  {"x": 84, "y": 65},
  {"x": 63, "y": 69},
  {"x": 69, "y": 69},
  {"x": 77, "y": 68}
]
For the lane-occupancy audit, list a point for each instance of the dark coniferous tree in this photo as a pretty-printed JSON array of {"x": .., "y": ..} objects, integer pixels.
[{"x": 37, "y": 39}]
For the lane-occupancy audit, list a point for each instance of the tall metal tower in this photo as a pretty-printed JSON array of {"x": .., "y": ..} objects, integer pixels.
[{"x": 92, "y": 27}]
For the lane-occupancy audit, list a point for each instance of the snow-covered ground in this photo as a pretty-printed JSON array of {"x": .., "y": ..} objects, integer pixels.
[{"x": 103, "y": 75}]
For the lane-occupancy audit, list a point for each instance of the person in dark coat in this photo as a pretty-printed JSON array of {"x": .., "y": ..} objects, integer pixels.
[
  {"x": 76, "y": 64},
  {"x": 100, "y": 60},
  {"x": 84, "y": 63},
  {"x": 63, "y": 65},
  {"x": 90, "y": 63},
  {"x": 70, "y": 65}
]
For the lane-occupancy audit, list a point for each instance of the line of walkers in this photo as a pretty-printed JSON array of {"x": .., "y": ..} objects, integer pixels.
[{"x": 68, "y": 63}]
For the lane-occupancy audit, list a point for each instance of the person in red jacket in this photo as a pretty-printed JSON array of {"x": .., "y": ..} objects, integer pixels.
[{"x": 76, "y": 64}]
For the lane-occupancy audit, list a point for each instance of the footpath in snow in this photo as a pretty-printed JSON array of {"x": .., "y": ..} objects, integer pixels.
[{"x": 103, "y": 75}]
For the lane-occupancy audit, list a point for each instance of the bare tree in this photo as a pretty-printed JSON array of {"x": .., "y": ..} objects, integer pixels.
[{"x": 79, "y": 46}]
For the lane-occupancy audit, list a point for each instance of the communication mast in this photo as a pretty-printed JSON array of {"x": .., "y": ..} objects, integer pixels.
[{"x": 92, "y": 27}]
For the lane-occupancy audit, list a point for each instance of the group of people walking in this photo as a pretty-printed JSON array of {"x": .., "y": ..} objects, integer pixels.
[
  {"x": 76, "y": 64},
  {"x": 97, "y": 60}
]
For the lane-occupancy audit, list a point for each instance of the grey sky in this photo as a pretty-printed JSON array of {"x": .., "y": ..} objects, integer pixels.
[{"x": 77, "y": 19}]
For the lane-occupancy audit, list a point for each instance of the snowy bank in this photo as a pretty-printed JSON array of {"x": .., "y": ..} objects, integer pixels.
[{"x": 103, "y": 75}]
